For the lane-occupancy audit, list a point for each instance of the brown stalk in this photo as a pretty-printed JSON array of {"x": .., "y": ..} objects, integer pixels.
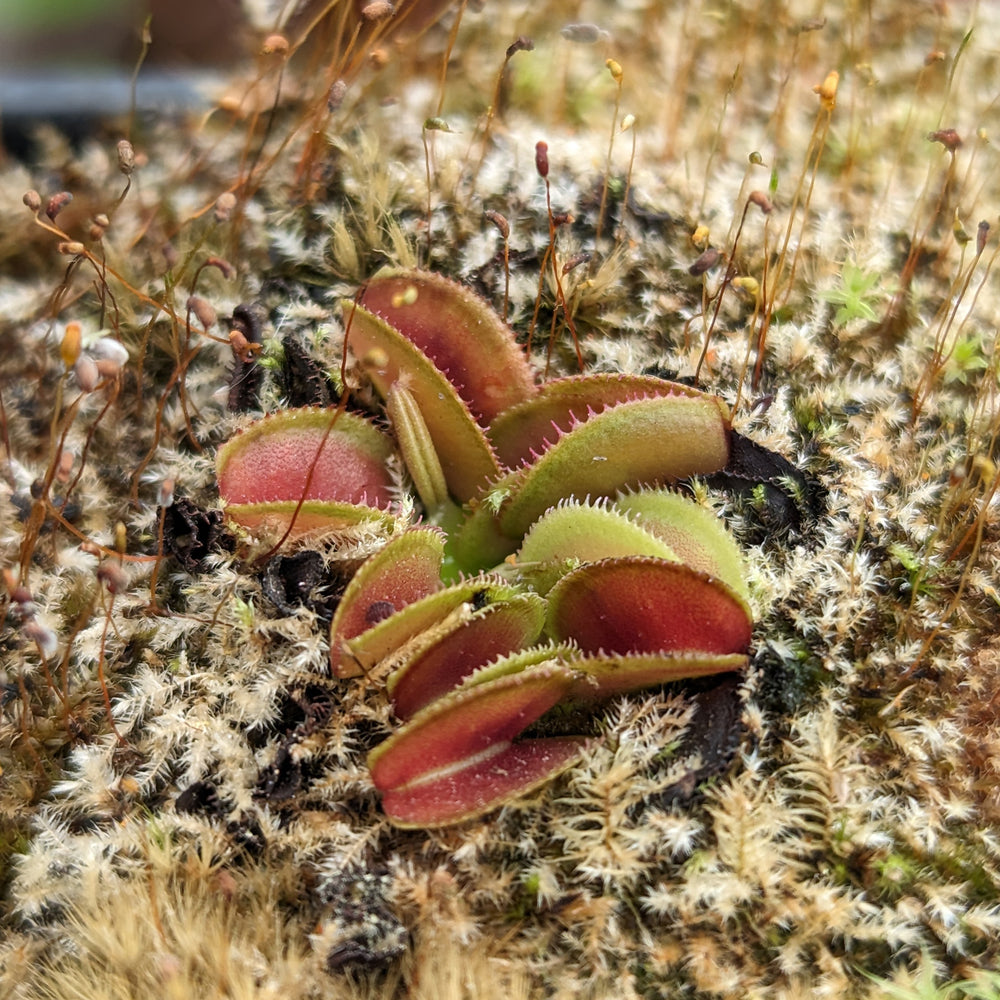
[
  {"x": 617, "y": 75},
  {"x": 778, "y": 290},
  {"x": 520, "y": 44}
]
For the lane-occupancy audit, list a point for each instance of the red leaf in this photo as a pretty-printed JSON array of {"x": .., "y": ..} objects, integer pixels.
[
  {"x": 405, "y": 570},
  {"x": 466, "y": 724},
  {"x": 643, "y": 605},
  {"x": 271, "y": 461},
  {"x": 508, "y": 771},
  {"x": 466, "y": 457},
  {"x": 459, "y": 332},
  {"x": 500, "y": 628}
]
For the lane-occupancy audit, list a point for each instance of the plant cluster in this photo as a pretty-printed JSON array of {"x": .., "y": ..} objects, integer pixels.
[{"x": 632, "y": 593}]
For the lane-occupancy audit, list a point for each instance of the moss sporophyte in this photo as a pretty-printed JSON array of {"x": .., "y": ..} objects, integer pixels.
[{"x": 554, "y": 564}]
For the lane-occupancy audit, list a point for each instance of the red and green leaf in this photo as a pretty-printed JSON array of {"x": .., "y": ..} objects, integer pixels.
[
  {"x": 459, "y": 332},
  {"x": 466, "y": 457},
  {"x": 641, "y": 605},
  {"x": 499, "y": 628},
  {"x": 406, "y": 569},
  {"x": 455, "y": 759},
  {"x": 337, "y": 462},
  {"x": 526, "y": 430}
]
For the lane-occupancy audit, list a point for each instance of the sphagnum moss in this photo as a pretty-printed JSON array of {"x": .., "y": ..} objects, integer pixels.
[{"x": 218, "y": 846}]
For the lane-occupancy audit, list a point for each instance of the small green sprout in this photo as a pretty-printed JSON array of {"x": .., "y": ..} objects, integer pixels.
[
  {"x": 917, "y": 567},
  {"x": 966, "y": 359},
  {"x": 244, "y": 611},
  {"x": 923, "y": 984},
  {"x": 494, "y": 499},
  {"x": 272, "y": 354},
  {"x": 856, "y": 296}
]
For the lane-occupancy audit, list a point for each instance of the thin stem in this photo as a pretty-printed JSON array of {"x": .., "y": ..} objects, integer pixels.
[
  {"x": 560, "y": 294},
  {"x": 146, "y": 40},
  {"x": 519, "y": 45},
  {"x": 160, "y": 521},
  {"x": 452, "y": 36},
  {"x": 427, "y": 169},
  {"x": 100, "y": 671},
  {"x": 620, "y": 236},
  {"x": 611, "y": 145}
]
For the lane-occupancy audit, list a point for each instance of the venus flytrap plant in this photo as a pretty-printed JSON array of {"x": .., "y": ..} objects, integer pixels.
[{"x": 570, "y": 597}]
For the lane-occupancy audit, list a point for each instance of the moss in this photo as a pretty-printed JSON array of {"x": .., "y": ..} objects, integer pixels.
[{"x": 792, "y": 680}]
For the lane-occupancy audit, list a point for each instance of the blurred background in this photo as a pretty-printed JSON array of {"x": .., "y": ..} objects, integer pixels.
[
  {"x": 72, "y": 61},
  {"x": 61, "y": 34},
  {"x": 60, "y": 59}
]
